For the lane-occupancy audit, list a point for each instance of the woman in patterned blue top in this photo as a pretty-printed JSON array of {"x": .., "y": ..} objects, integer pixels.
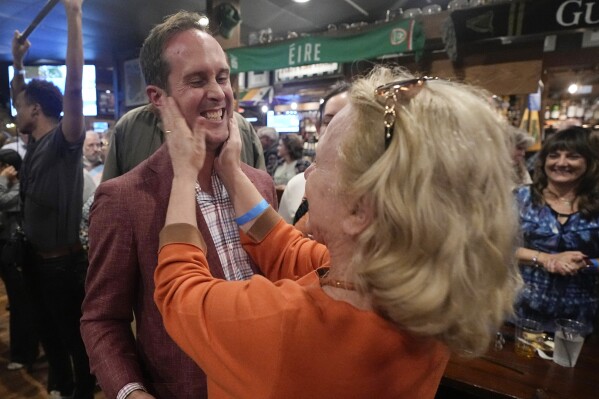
[{"x": 559, "y": 215}]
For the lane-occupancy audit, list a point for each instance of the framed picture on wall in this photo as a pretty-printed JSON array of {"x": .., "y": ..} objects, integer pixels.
[
  {"x": 105, "y": 103},
  {"x": 135, "y": 86}
]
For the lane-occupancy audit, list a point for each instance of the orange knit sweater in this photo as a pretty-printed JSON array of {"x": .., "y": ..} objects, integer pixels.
[{"x": 288, "y": 338}]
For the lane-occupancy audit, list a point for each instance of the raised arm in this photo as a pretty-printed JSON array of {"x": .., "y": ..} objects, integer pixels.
[
  {"x": 73, "y": 120},
  {"x": 19, "y": 50}
]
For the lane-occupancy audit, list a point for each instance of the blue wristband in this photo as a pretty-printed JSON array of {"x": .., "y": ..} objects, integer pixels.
[{"x": 252, "y": 213}]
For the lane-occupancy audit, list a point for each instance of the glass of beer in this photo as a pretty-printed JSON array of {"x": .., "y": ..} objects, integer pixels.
[{"x": 528, "y": 334}]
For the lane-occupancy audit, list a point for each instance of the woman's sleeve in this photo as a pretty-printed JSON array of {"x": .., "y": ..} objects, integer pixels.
[
  {"x": 9, "y": 198},
  {"x": 280, "y": 250},
  {"x": 226, "y": 327}
]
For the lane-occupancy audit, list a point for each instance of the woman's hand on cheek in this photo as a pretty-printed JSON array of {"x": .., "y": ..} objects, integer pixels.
[
  {"x": 187, "y": 149},
  {"x": 229, "y": 159}
]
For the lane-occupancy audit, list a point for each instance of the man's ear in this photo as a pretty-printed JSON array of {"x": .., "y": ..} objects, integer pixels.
[
  {"x": 155, "y": 94},
  {"x": 36, "y": 109},
  {"x": 360, "y": 216}
]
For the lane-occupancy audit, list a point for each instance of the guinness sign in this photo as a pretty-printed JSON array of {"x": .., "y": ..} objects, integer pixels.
[
  {"x": 524, "y": 17},
  {"x": 577, "y": 12}
]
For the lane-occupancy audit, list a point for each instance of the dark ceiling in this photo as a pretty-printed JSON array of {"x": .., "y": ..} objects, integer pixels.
[{"x": 114, "y": 26}]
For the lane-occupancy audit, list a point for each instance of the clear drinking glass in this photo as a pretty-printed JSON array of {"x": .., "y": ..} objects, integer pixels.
[
  {"x": 569, "y": 337},
  {"x": 528, "y": 332}
]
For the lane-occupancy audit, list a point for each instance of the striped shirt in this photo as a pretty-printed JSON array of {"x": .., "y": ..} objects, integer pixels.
[{"x": 219, "y": 213}]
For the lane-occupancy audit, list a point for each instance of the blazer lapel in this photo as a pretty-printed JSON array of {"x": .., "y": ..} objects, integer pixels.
[{"x": 159, "y": 179}]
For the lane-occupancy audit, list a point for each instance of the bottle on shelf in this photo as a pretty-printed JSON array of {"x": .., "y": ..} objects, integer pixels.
[
  {"x": 571, "y": 109},
  {"x": 555, "y": 111},
  {"x": 563, "y": 111}
]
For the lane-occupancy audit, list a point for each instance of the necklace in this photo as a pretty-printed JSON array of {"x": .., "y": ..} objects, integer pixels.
[
  {"x": 564, "y": 201},
  {"x": 325, "y": 280}
]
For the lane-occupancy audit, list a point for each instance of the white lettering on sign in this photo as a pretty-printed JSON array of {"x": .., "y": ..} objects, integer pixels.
[
  {"x": 570, "y": 16},
  {"x": 308, "y": 52},
  {"x": 305, "y": 71}
]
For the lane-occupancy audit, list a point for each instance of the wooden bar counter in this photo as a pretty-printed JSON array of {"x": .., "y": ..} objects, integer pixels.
[{"x": 503, "y": 374}]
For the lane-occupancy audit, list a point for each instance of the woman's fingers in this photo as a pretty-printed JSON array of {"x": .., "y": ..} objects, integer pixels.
[{"x": 186, "y": 148}]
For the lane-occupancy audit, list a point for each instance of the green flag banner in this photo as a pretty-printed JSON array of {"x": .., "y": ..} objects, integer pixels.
[{"x": 387, "y": 38}]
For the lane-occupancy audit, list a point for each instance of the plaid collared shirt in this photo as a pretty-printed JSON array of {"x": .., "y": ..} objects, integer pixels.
[{"x": 219, "y": 213}]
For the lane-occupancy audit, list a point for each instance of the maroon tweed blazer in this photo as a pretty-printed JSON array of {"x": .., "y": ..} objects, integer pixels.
[{"x": 126, "y": 217}]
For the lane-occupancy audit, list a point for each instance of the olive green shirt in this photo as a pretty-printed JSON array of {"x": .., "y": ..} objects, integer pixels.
[{"x": 138, "y": 134}]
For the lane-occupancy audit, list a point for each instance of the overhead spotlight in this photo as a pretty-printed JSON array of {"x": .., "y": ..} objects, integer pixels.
[
  {"x": 321, "y": 101},
  {"x": 294, "y": 106},
  {"x": 204, "y": 21},
  {"x": 301, "y": 1},
  {"x": 573, "y": 88},
  {"x": 264, "y": 109}
]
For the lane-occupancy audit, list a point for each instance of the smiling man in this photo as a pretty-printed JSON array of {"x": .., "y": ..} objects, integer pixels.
[{"x": 179, "y": 60}]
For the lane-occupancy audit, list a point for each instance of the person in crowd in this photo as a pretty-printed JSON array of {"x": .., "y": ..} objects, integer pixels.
[
  {"x": 269, "y": 138},
  {"x": 291, "y": 199},
  {"x": 416, "y": 263},
  {"x": 19, "y": 144},
  {"x": 4, "y": 135},
  {"x": 92, "y": 155},
  {"x": 24, "y": 343},
  {"x": 181, "y": 59},
  {"x": 559, "y": 217},
  {"x": 105, "y": 141},
  {"x": 51, "y": 185},
  {"x": 521, "y": 141},
  {"x": 289, "y": 151},
  {"x": 88, "y": 199},
  {"x": 139, "y": 133}
]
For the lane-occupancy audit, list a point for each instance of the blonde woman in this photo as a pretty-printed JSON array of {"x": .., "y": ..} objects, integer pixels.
[{"x": 410, "y": 193}]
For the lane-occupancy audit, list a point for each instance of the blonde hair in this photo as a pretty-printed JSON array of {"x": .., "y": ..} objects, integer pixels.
[{"x": 438, "y": 258}]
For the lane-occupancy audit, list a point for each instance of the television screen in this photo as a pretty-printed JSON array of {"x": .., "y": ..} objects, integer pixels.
[
  {"x": 283, "y": 123},
  {"x": 57, "y": 74},
  {"x": 100, "y": 126}
]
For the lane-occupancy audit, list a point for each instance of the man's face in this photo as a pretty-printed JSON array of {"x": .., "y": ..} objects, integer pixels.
[
  {"x": 265, "y": 141},
  {"x": 105, "y": 143},
  {"x": 25, "y": 114},
  {"x": 199, "y": 82},
  {"x": 331, "y": 108},
  {"x": 92, "y": 148}
]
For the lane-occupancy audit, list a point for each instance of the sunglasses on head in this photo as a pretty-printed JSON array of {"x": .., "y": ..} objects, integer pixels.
[{"x": 391, "y": 93}]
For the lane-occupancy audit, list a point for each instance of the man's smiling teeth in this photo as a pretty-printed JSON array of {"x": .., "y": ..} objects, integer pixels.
[{"x": 213, "y": 115}]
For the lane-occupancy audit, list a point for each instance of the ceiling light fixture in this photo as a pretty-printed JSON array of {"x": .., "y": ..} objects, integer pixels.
[
  {"x": 301, "y": 1},
  {"x": 204, "y": 21},
  {"x": 573, "y": 88}
]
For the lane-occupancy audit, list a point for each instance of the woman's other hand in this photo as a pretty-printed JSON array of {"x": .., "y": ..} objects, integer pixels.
[
  {"x": 565, "y": 263},
  {"x": 229, "y": 158}
]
